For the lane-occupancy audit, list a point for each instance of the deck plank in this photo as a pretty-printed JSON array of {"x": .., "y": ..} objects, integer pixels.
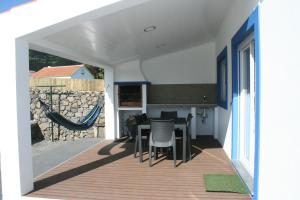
[{"x": 109, "y": 171}]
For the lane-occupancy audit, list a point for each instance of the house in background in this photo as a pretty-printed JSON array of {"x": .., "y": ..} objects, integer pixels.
[{"x": 66, "y": 72}]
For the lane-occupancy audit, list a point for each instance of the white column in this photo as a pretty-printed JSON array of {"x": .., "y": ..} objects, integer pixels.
[
  {"x": 117, "y": 113},
  {"x": 194, "y": 122},
  {"x": 144, "y": 98},
  {"x": 0, "y": 177},
  {"x": 216, "y": 123},
  {"x": 279, "y": 161},
  {"x": 110, "y": 130},
  {"x": 16, "y": 158}
]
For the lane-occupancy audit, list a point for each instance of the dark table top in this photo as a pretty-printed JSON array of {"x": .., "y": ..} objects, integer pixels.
[{"x": 180, "y": 120}]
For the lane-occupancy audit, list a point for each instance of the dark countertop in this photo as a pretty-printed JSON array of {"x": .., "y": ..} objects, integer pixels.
[{"x": 203, "y": 105}]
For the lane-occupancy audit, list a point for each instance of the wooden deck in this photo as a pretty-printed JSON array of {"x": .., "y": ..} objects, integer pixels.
[{"x": 109, "y": 171}]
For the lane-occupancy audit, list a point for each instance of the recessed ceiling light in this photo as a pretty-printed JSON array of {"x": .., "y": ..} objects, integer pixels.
[{"x": 149, "y": 29}]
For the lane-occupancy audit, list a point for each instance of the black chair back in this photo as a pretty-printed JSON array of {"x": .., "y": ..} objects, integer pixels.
[
  {"x": 188, "y": 120},
  {"x": 168, "y": 115}
]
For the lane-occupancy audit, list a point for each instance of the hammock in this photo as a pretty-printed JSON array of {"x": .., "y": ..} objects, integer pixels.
[{"x": 83, "y": 124}]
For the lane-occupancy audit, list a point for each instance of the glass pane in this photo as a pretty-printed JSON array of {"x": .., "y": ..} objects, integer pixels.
[
  {"x": 247, "y": 101},
  {"x": 223, "y": 80}
]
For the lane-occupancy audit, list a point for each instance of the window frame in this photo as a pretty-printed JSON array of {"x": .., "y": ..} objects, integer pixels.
[{"x": 222, "y": 57}]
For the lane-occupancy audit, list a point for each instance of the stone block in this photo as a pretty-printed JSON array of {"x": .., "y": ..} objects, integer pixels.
[
  {"x": 74, "y": 110},
  {"x": 95, "y": 99},
  {"x": 85, "y": 105},
  {"x": 36, "y": 116},
  {"x": 32, "y": 106},
  {"x": 70, "y": 99},
  {"x": 44, "y": 126},
  {"x": 85, "y": 112},
  {"x": 38, "y": 105},
  {"x": 43, "y": 120},
  {"x": 63, "y": 96},
  {"x": 74, "y": 105},
  {"x": 78, "y": 114},
  {"x": 65, "y": 112},
  {"x": 43, "y": 96},
  {"x": 55, "y": 97},
  {"x": 99, "y": 132},
  {"x": 70, "y": 114}
]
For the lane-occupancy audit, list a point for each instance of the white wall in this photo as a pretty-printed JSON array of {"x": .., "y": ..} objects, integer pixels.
[
  {"x": 129, "y": 71},
  {"x": 193, "y": 65},
  {"x": 155, "y": 110},
  {"x": 83, "y": 73},
  {"x": 207, "y": 126},
  {"x": 237, "y": 15},
  {"x": 280, "y": 100},
  {"x": 110, "y": 111},
  {"x": 0, "y": 177},
  {"x": 16, "y": 161}
]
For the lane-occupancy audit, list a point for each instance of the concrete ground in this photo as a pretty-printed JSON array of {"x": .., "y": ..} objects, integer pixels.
[{"x": 46, "y": 155}]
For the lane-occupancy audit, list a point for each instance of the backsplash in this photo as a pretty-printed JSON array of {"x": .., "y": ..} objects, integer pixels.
[{"x": 182, "y": 94}]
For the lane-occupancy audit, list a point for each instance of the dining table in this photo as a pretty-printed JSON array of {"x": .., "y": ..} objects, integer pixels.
[{"x": 179, "y": 123}]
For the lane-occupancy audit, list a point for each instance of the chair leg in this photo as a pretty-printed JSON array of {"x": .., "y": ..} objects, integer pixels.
[
  {"x": 150, "y": 156},
  {"x": 135, "y": 146},
  {"x": 190, "y": 148},
  {"x": 174, "y": 154},
  {"x": 155, "y": 153}
]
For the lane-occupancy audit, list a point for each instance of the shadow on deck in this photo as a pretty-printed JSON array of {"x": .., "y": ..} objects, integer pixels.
[{"x": 109, "y": 171}]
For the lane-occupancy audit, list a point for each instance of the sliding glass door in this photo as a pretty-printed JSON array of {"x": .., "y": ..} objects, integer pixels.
[{"x": 246, "y": 107}]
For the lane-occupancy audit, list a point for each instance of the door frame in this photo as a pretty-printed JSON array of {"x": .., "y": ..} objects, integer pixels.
[{"x": 250, "y": 26}]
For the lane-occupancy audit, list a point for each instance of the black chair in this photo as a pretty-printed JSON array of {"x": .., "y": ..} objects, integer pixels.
[
  {"x": 168, "y": 115},
  {"x": 179, "y": 134},
  {"x": 145, "y": 133},
  {"x": 145, "y": 136},
  {"x": 162, "y": 135},
  {"x": 189, "y": 134}
]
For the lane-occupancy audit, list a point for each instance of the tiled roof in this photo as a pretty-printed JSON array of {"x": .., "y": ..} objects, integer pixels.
[{"x": 60, "y": 71}]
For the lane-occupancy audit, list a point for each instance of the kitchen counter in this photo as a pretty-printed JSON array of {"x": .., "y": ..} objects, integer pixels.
[{"x": 202, "y": 105}]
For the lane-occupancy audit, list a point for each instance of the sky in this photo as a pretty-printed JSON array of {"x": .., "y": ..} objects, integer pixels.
[{"x": 6, "y": 5}]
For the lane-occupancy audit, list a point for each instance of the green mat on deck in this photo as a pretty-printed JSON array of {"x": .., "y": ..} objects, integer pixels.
[{"x": 224, "y": 183}]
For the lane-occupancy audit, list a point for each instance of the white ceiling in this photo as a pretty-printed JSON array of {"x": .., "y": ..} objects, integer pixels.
[{"x": 120, "y": 37}]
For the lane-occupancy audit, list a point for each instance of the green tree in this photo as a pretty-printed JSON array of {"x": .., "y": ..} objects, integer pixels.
[
  {"x": 38, "y": 60},
  {"x": 97, "y": 72}
]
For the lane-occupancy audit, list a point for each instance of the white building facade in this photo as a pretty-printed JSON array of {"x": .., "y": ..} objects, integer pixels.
[{"x": 271, "y": 27}]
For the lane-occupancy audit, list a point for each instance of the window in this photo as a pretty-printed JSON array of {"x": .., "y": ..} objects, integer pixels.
[{"x": 222, "y": 79}]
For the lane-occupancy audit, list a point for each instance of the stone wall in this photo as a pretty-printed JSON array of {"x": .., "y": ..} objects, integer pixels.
[{"x": 73, "y": 105}]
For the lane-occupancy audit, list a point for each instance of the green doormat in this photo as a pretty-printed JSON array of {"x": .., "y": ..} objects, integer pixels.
[{"x": 224, "y": 183}]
